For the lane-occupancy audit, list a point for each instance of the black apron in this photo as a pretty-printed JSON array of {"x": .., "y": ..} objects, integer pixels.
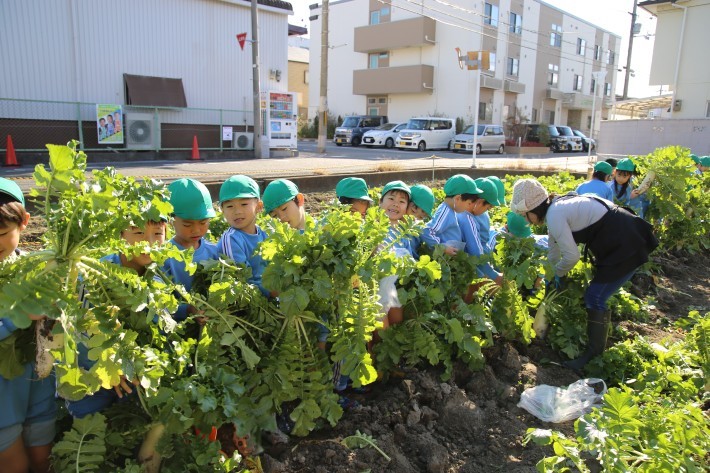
[{"x": 619, "y": 242}]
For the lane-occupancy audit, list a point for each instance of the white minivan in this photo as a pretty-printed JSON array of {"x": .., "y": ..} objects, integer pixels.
[{"x": 422, "y": 133}]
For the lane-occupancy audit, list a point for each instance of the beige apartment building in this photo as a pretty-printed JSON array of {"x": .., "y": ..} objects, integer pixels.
[
  {"x": 679, "y": 56},
  {"x": 399, "y": 58}
]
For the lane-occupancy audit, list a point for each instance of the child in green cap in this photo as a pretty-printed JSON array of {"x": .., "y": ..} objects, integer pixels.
[
  {"x": 29, "y": 411},
  {"x": 703, "y": 164},
  {"x": 483, "y": 220},
  {"x": 443, "y": 227},
  {"x": 240, "y": 201},
  {"x": 422, "y": 203},
  {"x": 192, "y": 212},
  {"x": 597, "y": 185},
  {"x": 353, "y": 191},
  {"x": 282, "y": 200}
]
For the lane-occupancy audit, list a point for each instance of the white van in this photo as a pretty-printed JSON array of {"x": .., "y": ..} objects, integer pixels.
[
  {"x": 490, "y": 138},
  {"x": 424, "y": 133}
]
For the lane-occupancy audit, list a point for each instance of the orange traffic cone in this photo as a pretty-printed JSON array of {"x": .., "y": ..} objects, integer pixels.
[
  {"x": 195, "y": 150},
  {"x": 10, "y": 157}
]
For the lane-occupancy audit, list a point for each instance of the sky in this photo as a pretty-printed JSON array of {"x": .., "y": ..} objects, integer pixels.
[{"x": 612, "y": 15}]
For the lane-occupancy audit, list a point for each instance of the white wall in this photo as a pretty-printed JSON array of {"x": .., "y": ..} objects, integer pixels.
[{"x": 639, "y": 137}]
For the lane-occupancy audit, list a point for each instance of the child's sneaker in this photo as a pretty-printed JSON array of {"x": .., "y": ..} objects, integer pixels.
[{"x": 346, "y": 403}]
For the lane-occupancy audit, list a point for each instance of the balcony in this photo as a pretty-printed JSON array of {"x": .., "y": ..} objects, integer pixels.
[
  {"x": 553, "y": 93},
  {"x": 417, "y": 79},
  {"x": 577, "y": 101},
  {"x": 490, "y": 82},
  {"x": 514, "y": 86},
  {"x": 392, "y": 35}
]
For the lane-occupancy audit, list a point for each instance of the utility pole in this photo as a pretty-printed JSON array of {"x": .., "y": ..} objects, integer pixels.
[
  {"x": 258, "y": 151},
  {"x": 323, "y": 102},
  {"x": 628, "y": 57}
]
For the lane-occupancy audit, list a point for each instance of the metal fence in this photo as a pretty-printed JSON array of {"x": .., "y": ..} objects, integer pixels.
[{"x": 33, "y": 123}]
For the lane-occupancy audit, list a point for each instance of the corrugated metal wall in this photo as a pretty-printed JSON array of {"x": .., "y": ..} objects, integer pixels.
[{"x": 78, "y": 50}]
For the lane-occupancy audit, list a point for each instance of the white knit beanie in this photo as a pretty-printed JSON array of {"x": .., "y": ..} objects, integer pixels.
[{"x": 527, "y": 194}]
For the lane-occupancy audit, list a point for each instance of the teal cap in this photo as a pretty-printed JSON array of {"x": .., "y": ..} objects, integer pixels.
[
  {"x": 423, "y": 197},
  {"x": 277, "y": 193},
  {"x": 396, "y": 186},
  {"x": 603, "y": 166},
  {"x": 490, "y": 192},
  {"x": 190, "y": 199},
  {"x": 705, "y": 161},
  {"x": 12, "y": 189},
  {"x": 500, "y": 187},
  {"x": 238, "y": 187},
  {"x": 626, "y": 165},
  {"x": 460, "y": 184},
  {"x": 518, "y": 226},
  {"x": 353, "y": 188},
  {"x": 695, "y": 158}
]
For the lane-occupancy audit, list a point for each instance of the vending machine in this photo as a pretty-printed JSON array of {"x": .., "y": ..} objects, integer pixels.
[{"x": 280, "y": 119}]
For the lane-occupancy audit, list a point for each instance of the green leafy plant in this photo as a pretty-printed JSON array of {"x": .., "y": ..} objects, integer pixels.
[{"x": 360, "y": 440}]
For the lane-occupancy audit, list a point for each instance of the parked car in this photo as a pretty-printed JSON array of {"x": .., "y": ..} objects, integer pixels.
[
  {"x": 424, "y": 133},
  {"x": 557, "y": 141},
  {"x": 384, "y": 135},
  {"x": 573, "y": 142},
  {"x": 586, "y": 141},
  {"x": 490, "y": 138},
  {"x": 354, "y": 126}
]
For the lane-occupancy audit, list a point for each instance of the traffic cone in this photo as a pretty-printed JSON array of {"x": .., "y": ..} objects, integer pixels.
[
  {"x": 10, "y": 157},
  {"x": 195, "y": 150}
]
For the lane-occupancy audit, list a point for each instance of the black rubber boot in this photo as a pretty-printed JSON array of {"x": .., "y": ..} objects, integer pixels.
[{"x": 597, "y": 331}]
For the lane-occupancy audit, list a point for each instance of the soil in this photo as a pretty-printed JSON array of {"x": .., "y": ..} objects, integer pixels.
[{"x": 470, "y": 423}]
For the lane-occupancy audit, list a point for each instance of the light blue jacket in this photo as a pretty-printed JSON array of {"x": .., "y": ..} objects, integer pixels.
[
  {"x": 442, "y": 227},
  {"x": 240, "y": 247}
]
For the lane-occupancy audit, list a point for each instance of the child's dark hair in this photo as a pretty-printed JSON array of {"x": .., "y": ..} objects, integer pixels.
[
  {"x": 11, "y": 211},
  {"x": 622, "y": 189},
  {"x": 541, "y": 210},
  {"x": 399, "y": 191},
  {"x": 471, "y": 197},
  {"x": 347, "y": 200},
  {"x": 612, "y": 161},
  {"x": 600, "y": 175}
]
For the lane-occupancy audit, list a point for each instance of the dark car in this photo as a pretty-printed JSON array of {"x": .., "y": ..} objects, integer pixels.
[
  {"x": 354, "y": 126},
  {"x": 586, "y": 141}
]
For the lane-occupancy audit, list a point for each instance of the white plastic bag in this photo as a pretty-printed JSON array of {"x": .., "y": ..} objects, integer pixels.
[{"x": 554, "y": 404}]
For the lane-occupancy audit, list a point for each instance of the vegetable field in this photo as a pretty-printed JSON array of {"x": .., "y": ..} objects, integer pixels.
[{"x": 438, "y": 393}]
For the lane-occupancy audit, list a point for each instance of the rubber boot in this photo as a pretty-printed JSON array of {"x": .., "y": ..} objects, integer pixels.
[{"x": 597, "y": 332}]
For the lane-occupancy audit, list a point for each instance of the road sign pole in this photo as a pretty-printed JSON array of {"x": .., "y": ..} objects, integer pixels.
[{"x": 477, "y": 98}]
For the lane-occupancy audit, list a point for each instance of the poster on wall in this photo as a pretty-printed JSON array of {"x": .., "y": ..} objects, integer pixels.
[{"x": 109, "y": 123}]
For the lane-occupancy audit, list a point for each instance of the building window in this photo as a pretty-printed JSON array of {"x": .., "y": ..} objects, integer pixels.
[
  {"x": 385, "y": 11},
  {"x": 612, "y": 57},
  {"x": 553, "y": 74},
  {"x": 577, "y": 82},
  {"x": 597, "y": 52},
  {"x": 375, "y": 17},
  {"x": 581, "y": 46},
  {"x": 707, "y": 109},
  {"x": 491, "y": 12},
  {"x": 305, "y": 77},
  {"x": 516, "y": 23},
  {"x": 592, "y": 89},
  {"x": 373, "y": 111},
  {"x": 492, "y": 62},
  {"x": 533, "y": 116},
  {"x": 513, "y": 66},
  {"x": 485, "y": 111},
  {"x": 378, "y": 60},
  {"x": 589, "y": 122},
  {"x": 556, "y": 35},
  {"x": 551, "y": 117},
  {"x": 607, "y": 89}
]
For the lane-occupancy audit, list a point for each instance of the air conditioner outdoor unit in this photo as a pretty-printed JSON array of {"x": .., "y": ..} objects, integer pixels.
[
  {"x": 243, "y": 140},
  {"x": 142, "y": 131}
]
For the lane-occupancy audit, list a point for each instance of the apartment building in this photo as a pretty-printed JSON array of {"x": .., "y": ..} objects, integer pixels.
[
  {"x": 399, "y": 58},
  {"x": 678, "y": 57}
]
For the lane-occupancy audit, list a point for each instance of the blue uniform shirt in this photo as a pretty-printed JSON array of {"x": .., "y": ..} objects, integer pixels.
[
  {"x": 442, "y": 227},
  {"x": 483, "y": 222},
  {"x": 469, "y": 229},
  {"x": 176, "y": 269},
  {"x": 240, "y": 247},
  {"x": 597, "y": 187}
]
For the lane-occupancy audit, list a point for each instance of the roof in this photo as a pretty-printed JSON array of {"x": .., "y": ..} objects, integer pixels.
[
  {"x": 274, "y": 3},
  {"x": 298, "y": 54},
  {"x": 294, "y": 30},
  {"x": 643, "y": 104},
  {"x": 653, "y": 4}
]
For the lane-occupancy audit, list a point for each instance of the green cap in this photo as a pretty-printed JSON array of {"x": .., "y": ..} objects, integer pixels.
[
  {"x": 277, "y": 193},
  {"x": 460, "y": 184},
  {"x": 12, "y": 189},
  {"x": 500, "y": 187},
  {"x": 190, "y": 199},
  {"x": 603, "y": 166},
  {"x": 705, "y": 161},
  {"x": 695, "y": 158},
  {"x": 423, "y": 197},
  {"x": 238, "y": 187},
  {"x": 353, "y": 188},
  {"x": 490, "y": 192},
  {"x": 518, "y": 226},
  {"x": 396, "y": 186},
  {"x": 626, "y": 165}
]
